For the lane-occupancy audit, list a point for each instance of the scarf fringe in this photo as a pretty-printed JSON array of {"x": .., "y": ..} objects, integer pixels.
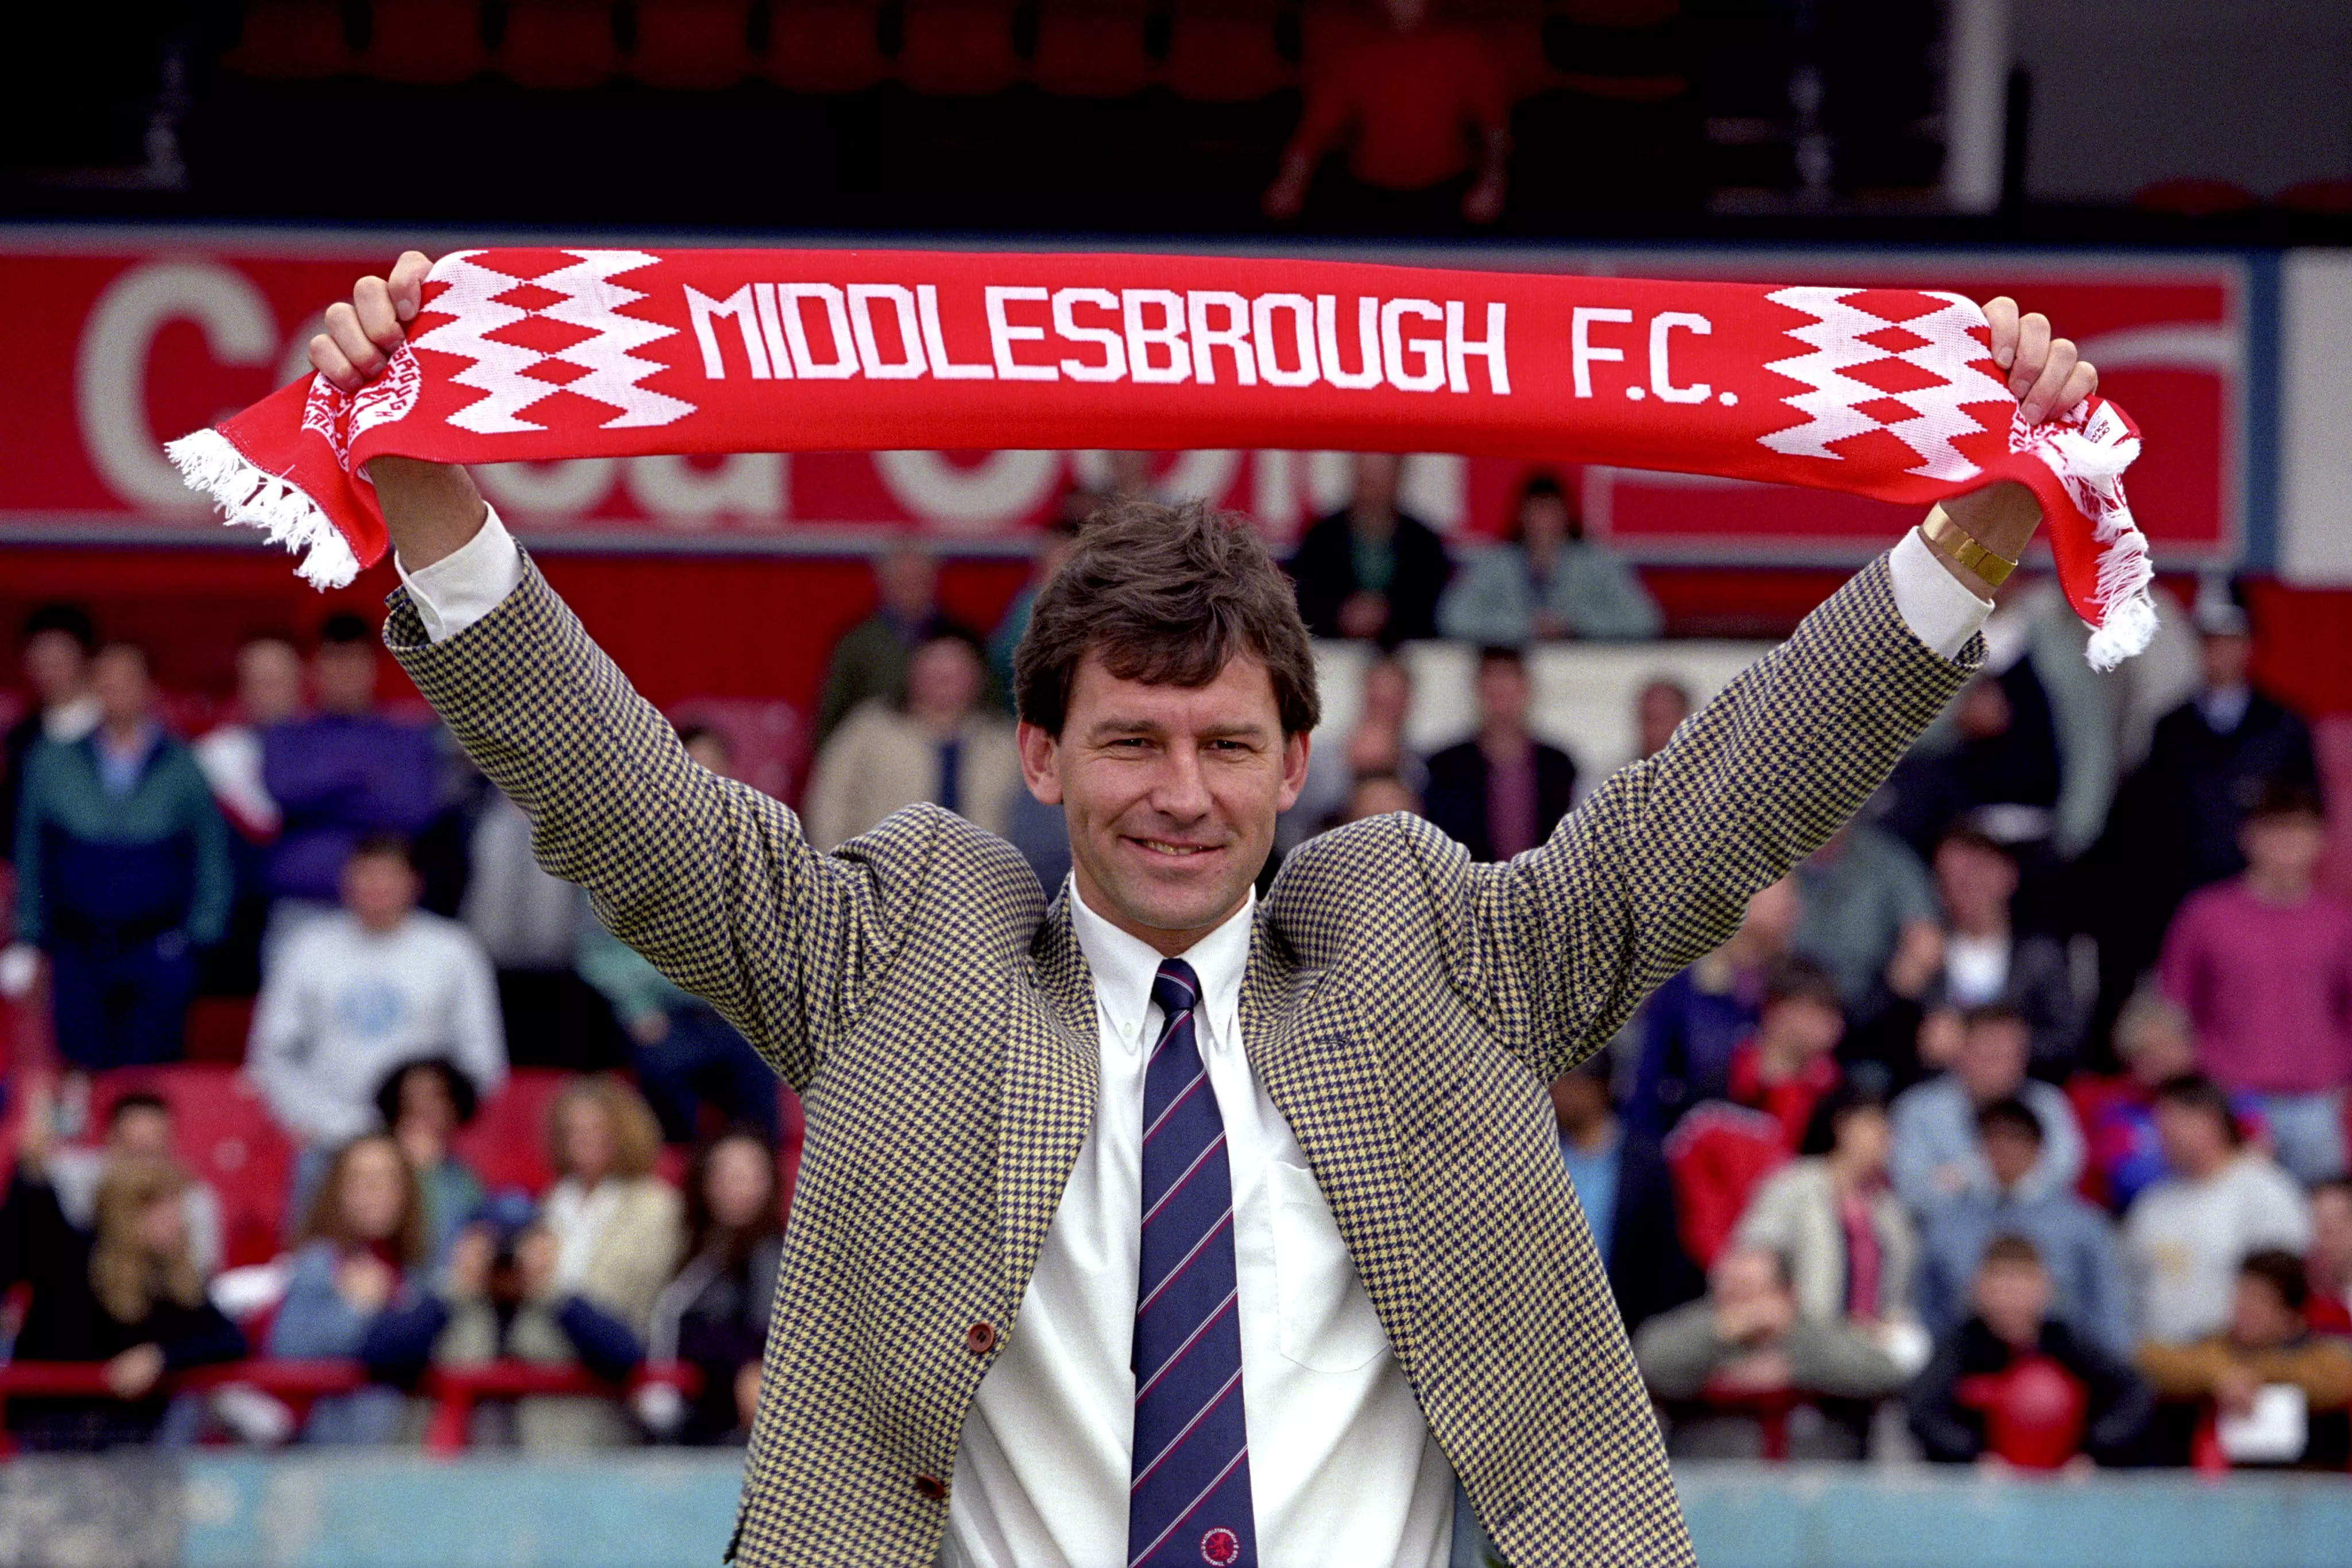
[
  {"x": 2093, "y": 460},
  {"x": 249, "y": 495}
]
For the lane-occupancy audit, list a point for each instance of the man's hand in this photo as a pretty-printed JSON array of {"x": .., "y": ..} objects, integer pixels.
[
  {"x": 430, "y": 509},
  {"x": 135, "y": 1371}
]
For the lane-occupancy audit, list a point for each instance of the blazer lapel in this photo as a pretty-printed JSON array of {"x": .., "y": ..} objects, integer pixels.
[{"x": 1052, "y": 1070}]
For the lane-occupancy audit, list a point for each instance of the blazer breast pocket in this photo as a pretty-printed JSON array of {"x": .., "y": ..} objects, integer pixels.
[{"x": 1327, "y": 1322}]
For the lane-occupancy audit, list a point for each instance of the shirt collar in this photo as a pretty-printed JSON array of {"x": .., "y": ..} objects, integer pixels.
[{"x": 1124, "y": 965}]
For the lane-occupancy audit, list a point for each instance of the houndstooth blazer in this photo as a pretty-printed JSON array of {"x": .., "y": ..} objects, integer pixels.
[{"x": 1404, "y": 1007}]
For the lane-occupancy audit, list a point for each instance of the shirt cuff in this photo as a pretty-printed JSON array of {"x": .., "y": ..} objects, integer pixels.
[
  {"x": 468, "y": 582},
  {"x": 1940, "y": 611}
]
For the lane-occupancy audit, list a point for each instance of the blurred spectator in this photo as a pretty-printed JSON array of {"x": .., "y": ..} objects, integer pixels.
[
  {"x": 269, "y": 691},
  {"x": 502, "y": 1298},
  {"x": 2184, "y": 1238},
  {"x": 1376, "y": 745},
  {"x": 1744, "y": 1349},
  {"x": 1371, "y": 572},
  {"x": 351, "y": 997},
  {"x": 1502, "y": 792},
  {"x": 1659, "y": 709},
  {"x": 1691, "y": 1025},
  {"x": 684, "y": 1054},
  {"x": 1620, "y": 1182},
  {"x": 422, "y": 1105},
  {"x": 1424, "y": 112},
  {"x": 616, "y": 1225},
  {"x": 1987, "y": 959},
  {"x": 127, "y": 1294},
  {"x": 940, "y": 745},
  {"x": 2074, "y": 1244},
  {"x": 137, "y": 1127},
  {"x": 342, "y": 773},
  {"x": 58, "y": 642},
  {"x": 870, "y": 664},
  {"x": 1547, "y": 581},
  {"x": 1865, "y": 895},
  {"x": 2330, "y": 1263},
  {"x": 122, "y": 872},
  {"x": 2265, "y": 1356},
  {"x": 1375, "y": 795},
  {"x": 1849, "y": 1248},
  {"x": 1051, "y": 546},
  {"x": 2264, "y": 965},
  {"x": 358, "y": 1250},
  {"x": 2118, "y": 1114},
  {"x": 1788, "y": 1064},
  {"x": 528, "y": 923},
  {"x": 714, "y": 1315},
  {"x": 1936, "y": 1155},
  {"x": 2017, "y": 1384}
]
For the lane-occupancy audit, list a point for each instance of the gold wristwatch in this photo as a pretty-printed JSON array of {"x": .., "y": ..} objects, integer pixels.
[{"x": 1949, "y": 536}]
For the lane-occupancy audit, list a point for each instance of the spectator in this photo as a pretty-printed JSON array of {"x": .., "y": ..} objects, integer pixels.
[
  {"x": 1502, "y": 792},
  {"x": 340, "y": 775},
  {"x": 137, "y": 1127},
  {"x": 2118, "y": 1114},
  {"x": 2075, "y": 1246},
  {"x": 2264, "y": 966},
  {"x": 615, "y": 1224},
  {"x": 1547, "y": 581},
  {"x": 126, "y": 1294},
  {"x": 1051, "y": 548},
  {"x": 1375, "y": 747},
  {"x": 1425, "y": 113},
  {"x": 1864, "y": 896},
  {"x": 1375, "y": 795},
  {"x": 1936, "y": 1155},
  {"x": 2266, "y": 1348},
  {"x": 351, "y": 997},
  {"x": 1691, "y": 1025},
  {"x": 1719, "y": 1153},
  {"x": 1744, "y": 1348},
  {"x": 2017, "y": 1384},
  {"x": 714, "y": 1315},
  {"x": 941, "y": 745},
  {"x": 2184, "y": 1238},
  {"x": 1659, "y": 709},
  {"x": 1787, "y": 1065},
  {"x": 357, "y": 1252},
  {"x": 269, "y": 691},
  {"x": 1620, "y": 1182},
  {"x": 1987, "y": 959},
  {"x": 422, "y": 1105},
  {"x": 1832, "y": 1218},
  {"x": 870, "y": 664},
  {"x": 122, "y": 872},
  {"x": 502, "y": 1297},
  {"x": 58, "y": 642},
  {"x": 1371, "y": 571},
  {"x": 2330, "y": 1263}
]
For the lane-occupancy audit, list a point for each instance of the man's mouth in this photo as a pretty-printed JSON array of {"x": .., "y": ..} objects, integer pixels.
[{"x": 1168, "y": 847}]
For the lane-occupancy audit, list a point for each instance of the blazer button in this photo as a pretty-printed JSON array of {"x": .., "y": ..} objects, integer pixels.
[
  {"x": 931, "y": 1487},
  {"x": 980, "y": 1339}
]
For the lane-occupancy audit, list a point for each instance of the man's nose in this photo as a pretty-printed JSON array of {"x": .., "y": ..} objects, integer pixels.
[{"x": 1181, "y": 790}]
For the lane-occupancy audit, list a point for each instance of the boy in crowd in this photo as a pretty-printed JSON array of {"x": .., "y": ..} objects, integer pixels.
[
  {"x": 2266, "y": 1343},
  {"x": 2185, "y": 1238}
]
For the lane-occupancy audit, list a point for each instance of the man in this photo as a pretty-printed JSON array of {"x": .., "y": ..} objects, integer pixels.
[
  {"x": 269, "y": 691},
  {"x": 1785, "y": 1067},
  {"x": 2074, "y": 1243},
  {"x": 1986, "y": 957},
  {"x": 1081, "y": 1174},
  {"x": 137, "y": 1127},
  {"x": 58, "y": 640},
  {"x": 939, "y": 744},
  {"x": 1628, "y": 1199},
  {"x": 2266, "y": 1343},
  {"x": 122, "y": 872},
  {"x": 1936, "y": 1158},
  {"x": 1502, "y": 792},
  {"x": 1867, "y": 902},
  {"x": 1661, "y": 705},
  {"x": 1371, "y": 572},
  {"x": 869, "y": 662},
  {"x": 2185, "y": 1236},
  {"x": 352, "y": 994},
  {"x": 1547, "y": 581},
  {"x": 2263, "y": 963}
]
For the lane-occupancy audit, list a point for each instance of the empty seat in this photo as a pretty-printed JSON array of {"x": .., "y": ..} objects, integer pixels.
[
  {"x": 429, "y": 43},
  {"x": 291, "y": 40},
  {"x": 690, "y": 44},
  {"x": 1092, "y": 49},
  {"x": 506, "y": 1143},
  {"x": 958, "y": 48},
  {"x": 1227, "y": 51},
  {"x": 823, "y": 45},
  {"x": 559, "y": 45}
]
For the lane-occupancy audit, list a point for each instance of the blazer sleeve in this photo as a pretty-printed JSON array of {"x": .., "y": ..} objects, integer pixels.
[
  {"x": 1557, "y": 946},
  {"x": 709, "y": 879}
]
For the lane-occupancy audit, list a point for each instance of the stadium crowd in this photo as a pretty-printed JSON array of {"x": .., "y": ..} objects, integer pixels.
[{"x": 2003, "y": 1132}]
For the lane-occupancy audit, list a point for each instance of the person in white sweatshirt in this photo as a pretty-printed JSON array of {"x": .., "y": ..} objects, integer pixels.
[{"x": 376, "y": 984}]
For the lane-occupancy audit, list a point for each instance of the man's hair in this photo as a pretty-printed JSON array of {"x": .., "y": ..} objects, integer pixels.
[
  {"x": 1830, "y": 1114},
  {"x": 1984, "y": 1015},
  {"x": 2285, "y": 797},
  {"x": 2011, "y": 1249},
  {"x": 125, "y": 646},
  {"x": 345, "y": 628},
  {"x": 462, "y": 1096},
  {"x": 2195, "y": 1092},
  {"x": 2012, "y": 1113},
  {"x": 1168, "y": 596},
  {"x": 1801, "y": 980},
  {"x": 2340, "y": 1184},
  {"x": 687, "y": 734},
  {"x": 2283, "y": 1273},
  {"x": 383, "y": 846},
  {"x": 136, "y": 1099},
  {"x": 58, "y": 615},
  {"x": 1961, "y": 835},
  {"x": 1503, "y": 653}
]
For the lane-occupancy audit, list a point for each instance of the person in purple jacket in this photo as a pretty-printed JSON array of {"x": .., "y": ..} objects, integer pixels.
[{"x": 339, "y": 774}]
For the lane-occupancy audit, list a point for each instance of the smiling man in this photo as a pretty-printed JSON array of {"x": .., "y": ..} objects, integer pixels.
[{"x": 1144, "y": 1222}]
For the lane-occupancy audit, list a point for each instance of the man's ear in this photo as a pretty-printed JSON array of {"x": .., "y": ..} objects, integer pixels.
[
  {"x": 1294, "y": 767},
  {"x": 1039, "y": 752}
]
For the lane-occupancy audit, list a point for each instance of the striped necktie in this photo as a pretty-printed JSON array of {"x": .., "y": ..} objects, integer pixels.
[{"x": 1189, "y": 1500}]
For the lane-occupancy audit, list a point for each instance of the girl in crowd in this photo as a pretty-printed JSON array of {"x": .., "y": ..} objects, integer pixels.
[
  {"x": 714, "y": 1315},
  {"x": 362, "y": 1237},
  {"x": 422, "y": 1104}
]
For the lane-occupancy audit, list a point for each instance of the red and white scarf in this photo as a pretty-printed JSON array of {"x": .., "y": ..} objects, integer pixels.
[{"x": 526, "y": 354}]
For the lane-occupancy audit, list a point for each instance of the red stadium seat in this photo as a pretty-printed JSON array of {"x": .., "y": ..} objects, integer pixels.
[
  {"x": 692, "y": 45},
  {"x": 559, "y": 45},
  {"x": 1092, "y": 49},
  {"x": 291, "y": 40},
  {"x": 1226, "y": 51},
  {"x": 226, "y": 1137},
  {"x": 2327, "y": 198},
  {"x": 823, "y": 45},
  {"x": 958, "y": 48},
  {"x": 428, "y": 43},
  {"x": 507, "y": 1141}
]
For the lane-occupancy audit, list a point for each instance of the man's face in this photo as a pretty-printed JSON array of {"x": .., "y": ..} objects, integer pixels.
[
  {"x": 943, "y": 680},
  {"x": 55, "y": 665},
  {"x": 1502, "y": 694},
  {"x": 1807, "y": 1025},
  {"x": 1976, "y": 883},
  {"x": 1170, "y": 792},
  {"x": 345, "y": 674},
  {"x": 1992, "y": 1059},
  {"x": 2225, "y": 657},
  {"x": 269, "y": 680},
  {"x": 1656, "y": 712},
  {"x": 1544, "y": 522},
  {"x": 2331, "y": 1228},
  {"x": 2259, "y": 1320},
  {"x": 379, "y": 890},
  {"x": 2013, "y": 1299},
  {"x": 907, "y": 579},
  {"x": 1376, "y": 481},
  {"x": 118, "y": 677},
  {"x": 2192, "y": 1140},
  {"x": 2010, "y": 1153},
  {"x": 2156, "y": 1048},
  {"x": 141, "y": 1130},
  {"x": 2287, "y": 847}
]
